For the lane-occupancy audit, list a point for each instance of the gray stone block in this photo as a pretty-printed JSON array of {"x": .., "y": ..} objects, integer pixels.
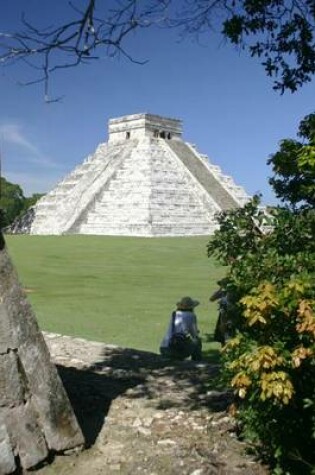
[
  {"x": 49, "y": 397},
  {"x": 12, "y": 381},
  {"x": 7, "y": 335},
  {"x": 7, "y": 460},
  {"x": 26, "y": 435},
  {"x": 35, "y": 412}
]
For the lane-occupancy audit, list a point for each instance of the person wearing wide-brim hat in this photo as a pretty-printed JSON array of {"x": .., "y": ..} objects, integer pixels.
[
  {"x": 187, "y": 303},
  {"x": 182, "y": 337}
]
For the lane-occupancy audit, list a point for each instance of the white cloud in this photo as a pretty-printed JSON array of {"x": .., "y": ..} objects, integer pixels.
[{"x": 13, "y": 134}]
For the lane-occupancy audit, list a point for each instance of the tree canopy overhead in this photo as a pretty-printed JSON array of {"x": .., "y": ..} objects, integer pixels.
[
  {"x": 294, "y": 167},
  {"x": 279, "y": 32}
]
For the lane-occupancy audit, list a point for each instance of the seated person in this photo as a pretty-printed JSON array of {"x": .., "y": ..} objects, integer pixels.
[{"x": 181, "y": 340}]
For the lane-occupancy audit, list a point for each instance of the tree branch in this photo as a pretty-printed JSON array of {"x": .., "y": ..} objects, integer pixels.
[
  {"x": 281, "y": 32},
  {"x": 78, "y": 38}
]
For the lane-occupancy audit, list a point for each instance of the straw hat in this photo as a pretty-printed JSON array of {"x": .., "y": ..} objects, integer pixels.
[{"x": 187, "y": 303}]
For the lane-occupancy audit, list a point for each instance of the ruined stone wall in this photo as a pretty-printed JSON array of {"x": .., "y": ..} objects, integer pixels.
[
  {"x": 36, "y": 417},
  {"x": 137, "y": 126},
  {"x": 22, "y": 224}
]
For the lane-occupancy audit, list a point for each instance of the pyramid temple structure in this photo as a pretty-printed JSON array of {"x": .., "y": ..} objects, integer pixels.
[{"x": 145, "y": 181}]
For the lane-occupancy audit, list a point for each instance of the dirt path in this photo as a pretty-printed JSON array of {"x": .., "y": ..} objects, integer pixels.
[{"x": 142, "y": 414}]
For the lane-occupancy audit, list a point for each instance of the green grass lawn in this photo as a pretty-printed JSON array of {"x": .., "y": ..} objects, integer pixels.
[{"x": 118, "y": 290}]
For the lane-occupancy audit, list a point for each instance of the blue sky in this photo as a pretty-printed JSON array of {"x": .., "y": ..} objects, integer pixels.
[{"x": 224, "y": 98}]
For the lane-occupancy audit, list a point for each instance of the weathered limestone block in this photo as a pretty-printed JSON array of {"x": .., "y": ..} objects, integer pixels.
[
  {"x": 15, "y": 309},
  {"x": 25, "y": 434},
  {"x": 7, "y": 336},
  {"x": 35, "y": 412},
  {"x": 7, "y": 460},
  {"x": 12, "y": 388},
  {"x": 49, "y": 397}
]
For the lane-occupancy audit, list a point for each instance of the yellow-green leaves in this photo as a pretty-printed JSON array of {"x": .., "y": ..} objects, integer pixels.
[
  {"x": 306, "y": 318},
  {"x": 260, "y": 304},
  {"x": 276, "y": 385}
]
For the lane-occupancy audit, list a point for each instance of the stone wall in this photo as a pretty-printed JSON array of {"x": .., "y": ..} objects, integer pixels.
[
  {"x": 137, "y": 126},
  {"x": 36, "y": 417}
]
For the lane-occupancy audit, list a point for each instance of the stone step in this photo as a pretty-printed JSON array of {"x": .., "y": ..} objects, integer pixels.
[
  {"x": 170, "y": 229},
  {"x": 66, "y": 186},
  {"x": 178, "y": 220},
  {"x": 153, "y": 205},
  {"x": 227, "y": 181},
  {"x": 43, "y": 204},
  {"x": 157, "y": 224},
  {"x": 134, "y": 206}
]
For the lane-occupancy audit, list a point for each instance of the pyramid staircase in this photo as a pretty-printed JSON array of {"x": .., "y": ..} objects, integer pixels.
[{"x": 215, "y": 183}]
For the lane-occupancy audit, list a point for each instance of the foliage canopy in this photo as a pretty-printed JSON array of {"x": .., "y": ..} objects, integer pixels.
[
  {"x": 270, "y": 362},
  {"x": 13, "y": 202},
  {"x": 294, "y": 167}
]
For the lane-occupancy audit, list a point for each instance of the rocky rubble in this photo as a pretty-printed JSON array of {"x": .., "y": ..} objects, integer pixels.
[
  {"x": 22, "y": 224},
  {"x": 143, "y": 414}
]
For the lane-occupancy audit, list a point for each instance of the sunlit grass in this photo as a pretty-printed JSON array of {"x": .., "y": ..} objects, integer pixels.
[{"x": 119, "y": 290}]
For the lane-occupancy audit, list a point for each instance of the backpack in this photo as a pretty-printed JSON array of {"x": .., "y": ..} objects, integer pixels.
[{"x": 180, "y": 343}]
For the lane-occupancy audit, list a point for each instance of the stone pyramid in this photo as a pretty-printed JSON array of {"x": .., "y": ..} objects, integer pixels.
[
  {"x": 145, "y": 181},
  {"x": 36, "y": 418}
]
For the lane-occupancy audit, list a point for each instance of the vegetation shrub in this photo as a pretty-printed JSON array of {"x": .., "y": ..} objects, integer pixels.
[
  {"x": 13, "y": 202},
  {"x": 270, "y": 361}
]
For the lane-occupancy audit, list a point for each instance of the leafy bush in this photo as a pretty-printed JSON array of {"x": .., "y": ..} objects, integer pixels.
[
  {"x": 13, "y": 202},
  {"x": 270, "y": 362}
]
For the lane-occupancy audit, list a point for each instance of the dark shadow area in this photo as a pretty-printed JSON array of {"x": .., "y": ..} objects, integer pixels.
[
  {"x": 211, "y": 355},
  {"x": 2, "y": 242},
  {"x": 139, "y": 374},
  {"x": 90, "y": 395}
]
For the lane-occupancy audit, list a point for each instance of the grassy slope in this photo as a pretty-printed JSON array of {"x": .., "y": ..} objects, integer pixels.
[{"x": 118, "y": 290}]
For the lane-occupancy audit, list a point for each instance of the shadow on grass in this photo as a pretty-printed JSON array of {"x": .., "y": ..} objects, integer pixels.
[{"x": 139, "y": 374}]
